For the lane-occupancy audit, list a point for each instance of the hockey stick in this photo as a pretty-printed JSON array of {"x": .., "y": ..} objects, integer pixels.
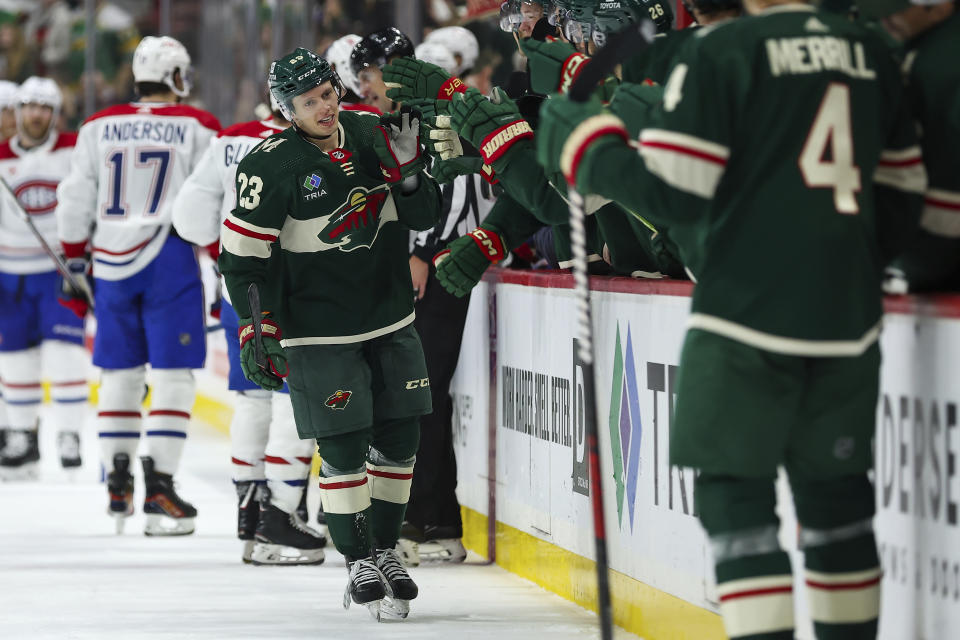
[
  {"x": 626, "y": 43},
  {"x": 47, "y": 249},
  {"x": 259, "y": 354}
]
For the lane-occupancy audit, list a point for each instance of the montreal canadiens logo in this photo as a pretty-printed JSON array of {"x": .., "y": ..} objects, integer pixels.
[
  {"x": 37, "y": 196},
  {"x": 339, "y": 399}
]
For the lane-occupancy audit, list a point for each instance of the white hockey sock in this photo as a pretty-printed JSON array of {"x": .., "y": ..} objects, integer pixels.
[
  {"x": 390, "y": 480},
  {"x": 68, "y": 365},
  {"x": 118, "y": 412},
  {"x": 22, "y": 390},
  {"x": 287, "y": 456},
  {"x": 171, "y": 402},
  {"x": 248, "y": 434}
]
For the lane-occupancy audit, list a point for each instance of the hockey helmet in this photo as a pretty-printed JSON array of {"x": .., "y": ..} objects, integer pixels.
[
  {"x": 36, "y": 90},
  {"x": 157, "y": 59},
  {"x": 437, "y": 54},
  {"x": 338, "y": 55},
  {"x": 613, "y": 17},
  {"x": 511, "y": 13},
  {"x": 8, "y": 94},
  {"x": 460, "y": 42},
  {"x": 376, "y": 49},
  {"x": 298, "y": 72},
  {"x": 876, "y": 9}
]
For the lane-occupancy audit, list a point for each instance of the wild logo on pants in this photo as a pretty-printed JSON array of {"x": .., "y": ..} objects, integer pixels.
[{"x": 339, "y": 400}]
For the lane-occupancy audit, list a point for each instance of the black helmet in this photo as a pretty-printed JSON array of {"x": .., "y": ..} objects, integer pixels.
[{"x": 378, "y": 47}]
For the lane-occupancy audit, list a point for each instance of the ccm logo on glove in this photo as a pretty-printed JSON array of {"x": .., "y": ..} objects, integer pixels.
[
  {"x": 572, "y": 67},
  {"x": 495, "y": 144},
  {"x": 491, "y": 244}
]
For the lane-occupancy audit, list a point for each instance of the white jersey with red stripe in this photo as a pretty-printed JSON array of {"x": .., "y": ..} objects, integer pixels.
[
  {"x": 130, "y": 162},
  {"x": 33, "y": 175}
]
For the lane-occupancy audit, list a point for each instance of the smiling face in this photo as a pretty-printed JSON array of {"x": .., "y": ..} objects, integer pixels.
[
  {"x": 36, "y": 119},
  {"x": 317, "y": 111}
]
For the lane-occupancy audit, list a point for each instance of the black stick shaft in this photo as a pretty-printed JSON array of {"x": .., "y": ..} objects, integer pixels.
[{"x": 253, "y": 299}]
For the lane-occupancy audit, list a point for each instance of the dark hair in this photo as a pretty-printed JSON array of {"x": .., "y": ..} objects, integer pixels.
[{"x": 145, "y": 89}]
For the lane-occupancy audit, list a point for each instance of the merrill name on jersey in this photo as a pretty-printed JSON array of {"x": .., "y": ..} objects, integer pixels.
[{"x": 812, "y": 54}]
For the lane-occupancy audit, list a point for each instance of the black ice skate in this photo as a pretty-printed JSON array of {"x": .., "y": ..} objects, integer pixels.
[
  {"x": 284, "y": 539},
  {"x": 248, "y": 514},
  {"x": 366, "y": 585},
  {"x": 68, "y": 443},
  {"x": 302, "y": 512},
  {"x": 401, "y": 588},
  {"x": 167, "y": 513},
  {"x": 20, "y": 454},
  {"x": 120, "y": 490}
]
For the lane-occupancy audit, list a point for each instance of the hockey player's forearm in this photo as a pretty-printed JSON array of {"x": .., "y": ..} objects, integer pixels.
[
  {"x": 515, "y": 222},
  {"x": 419, "y": 209},
  {"x": 238, "y": 274}
]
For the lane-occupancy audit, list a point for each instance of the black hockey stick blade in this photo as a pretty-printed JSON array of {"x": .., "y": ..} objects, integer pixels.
[
  {"x": 620, "y": 46},
  {"x": 259, "y": 354}
]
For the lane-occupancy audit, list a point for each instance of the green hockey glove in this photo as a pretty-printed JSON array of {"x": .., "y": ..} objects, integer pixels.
[
  {"x": 492, "y": 126},
  {"x": 554, "y": 64},
  {"x": 444, "y": 171},
  {"x": 276, "y": 361},
  {"x": 461, "y": 265},
  {"x": 568, "y": 129},
  {"x": 398, "y": 146},
  {"x": 409, "y": 79},
  {"x": 632, "y": 104}
]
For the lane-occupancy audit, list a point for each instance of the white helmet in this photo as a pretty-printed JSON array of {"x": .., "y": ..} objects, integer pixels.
[
  {"x": 338, "y": 55},
  {"x": 436, "y": 53},
  {"x": 35, "y": 90},
  {"x": 157, "y": 58},
  {"x": 460, "y": 42},
  {"x": 8, "y": 94}
]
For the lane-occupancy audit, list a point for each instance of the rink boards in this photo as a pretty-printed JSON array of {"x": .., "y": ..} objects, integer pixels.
[{"x": 523, "y": 380}]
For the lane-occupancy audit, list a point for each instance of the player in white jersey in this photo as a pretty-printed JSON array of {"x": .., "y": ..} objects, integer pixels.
[
  {"x": 130, "y": 161},
  {"x": 270, "y": 461},
  {"x": 38, "y": 337}
]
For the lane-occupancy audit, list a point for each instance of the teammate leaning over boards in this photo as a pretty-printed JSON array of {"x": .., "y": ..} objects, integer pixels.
[
  {"x": 367, "y": 59},
  {"x": 930, "y": 32},
  {"x": 39, "y": 339},
  {"x": 794, "y": 176},
  {"x": 321, "y": 228},
  {"x": 270, "y": 461},
  {"x": 129, "y": 162}
]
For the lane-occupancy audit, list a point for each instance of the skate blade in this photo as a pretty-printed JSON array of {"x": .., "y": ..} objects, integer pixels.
[
  {"x": 28, "y": 472},
  {"x": 247, "y": 555},
  {"x": 280, "y": 555},
  {"x": 119, "y": 521},
  {"x": 393, "y": 609},
  {"x": 163, "y": 525}
]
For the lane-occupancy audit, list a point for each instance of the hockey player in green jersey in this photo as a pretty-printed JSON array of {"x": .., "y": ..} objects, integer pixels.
[
  {"x": 321, "y": 229},
  {"x": 789, "y": 169},
  {"x": 930, "y": 32}
]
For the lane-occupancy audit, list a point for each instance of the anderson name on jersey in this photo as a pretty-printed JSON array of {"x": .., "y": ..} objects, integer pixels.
[
  {"x": 129, "y": 160},
  {"x": 33, "y": 175}
]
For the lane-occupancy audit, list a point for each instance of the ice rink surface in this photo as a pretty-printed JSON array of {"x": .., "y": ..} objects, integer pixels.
[{"x": 64, "y": 574}]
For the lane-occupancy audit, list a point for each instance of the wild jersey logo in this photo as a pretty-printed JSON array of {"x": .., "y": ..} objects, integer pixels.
[
  {"x": 357, "y": 222},
  {"x": 339, "y": 400}
]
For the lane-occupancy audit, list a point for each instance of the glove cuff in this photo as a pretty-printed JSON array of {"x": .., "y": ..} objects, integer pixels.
[
  {"x": 440, "y": 257},
  {"x": 270, "y": 329},
  {"x": 488, "y": 174},
  {"x": 586, "y": 133},
  {"x": 570, "y": 69},
  {"x": 499, "y": 141},
  {"x": 490, "y": 243},
  {"x": 452, "y": 85},
  {"x": 74, "y": 249}
]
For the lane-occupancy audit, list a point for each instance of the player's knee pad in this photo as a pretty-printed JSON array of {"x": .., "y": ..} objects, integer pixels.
[
  {"x": 843, "y": 571},
  {"x": 23, "y": 391},
  {"x": 249, "y": 430},
  {"x": 729, "y": 504},
  {"x": 390, "y": 479},
  {"x": 118, "y": 411},
  {"x": 398, "y": 439}
]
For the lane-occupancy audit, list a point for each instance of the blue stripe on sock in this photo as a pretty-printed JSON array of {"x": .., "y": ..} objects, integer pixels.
[
  {"x": 295, "y": 483},
  {"x": 119, "y": 434},
  {"x": 64, "y": 400},
  {"x": 25, "y": 402},
  {"x": 167, "y": 433}
]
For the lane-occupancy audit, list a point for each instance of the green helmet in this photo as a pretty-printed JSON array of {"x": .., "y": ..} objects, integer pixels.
[
  {"x": 297, "y": 73},
  {"x": 585, "y": 20}
]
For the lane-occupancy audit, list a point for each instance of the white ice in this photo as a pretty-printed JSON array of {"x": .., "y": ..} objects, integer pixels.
[{"x": 65, "y": 575}]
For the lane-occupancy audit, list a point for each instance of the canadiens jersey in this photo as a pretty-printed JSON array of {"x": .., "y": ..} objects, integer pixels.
[
  {"x": 324, "y": 237},
  {"x": 130, "y": 161},
  {"x": 33, "y": 175}
]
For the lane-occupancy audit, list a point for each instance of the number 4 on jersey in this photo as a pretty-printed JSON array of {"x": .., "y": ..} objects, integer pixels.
[{"x": 832, "y": 136}]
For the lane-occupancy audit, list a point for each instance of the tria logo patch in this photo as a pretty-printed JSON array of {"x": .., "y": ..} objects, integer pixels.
[
  {"x": 311, "y": 188},
  {"x": 338, "y": 401},
  {"x": 312, "y": 181}
]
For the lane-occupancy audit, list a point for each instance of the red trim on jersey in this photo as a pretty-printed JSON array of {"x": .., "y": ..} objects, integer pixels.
[
  {"x": 122, "y": 253},
  {"x": 252, "y": 129},
  {"x": 703, "y": 155},
  {"x": 170, "y": 412},
  {"x": 750, "y": 593},
  {"x": 65, "y": 140},
  {"x": 844, "y": 586},
  {"x": 343, "y": 485},
  {"x": 246, "y": 232},
  {"x": 391, "y": 475},
  {"x": 6, "y": 151},
  {"x": 119, "y": 414},
  {"x": 620, "y": 132},
  {"x": 205, "y": 118}
]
